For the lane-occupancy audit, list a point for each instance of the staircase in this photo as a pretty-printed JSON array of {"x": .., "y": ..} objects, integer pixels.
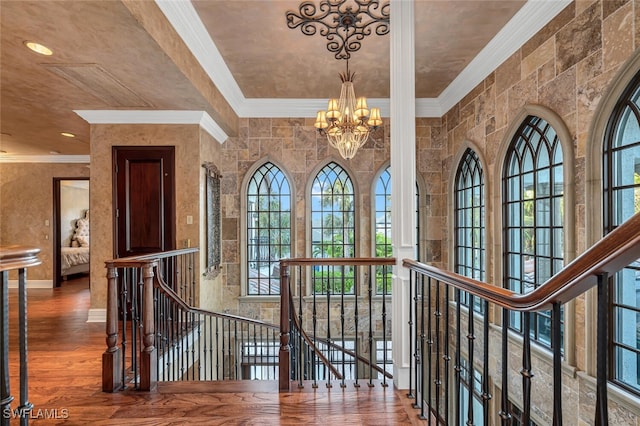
[{"x": 334, "y": 332}]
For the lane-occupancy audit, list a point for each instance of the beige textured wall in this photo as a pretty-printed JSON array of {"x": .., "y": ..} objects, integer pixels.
[
  {"x": 186, "y": 139},
  {"x": 26, "y": 201}
]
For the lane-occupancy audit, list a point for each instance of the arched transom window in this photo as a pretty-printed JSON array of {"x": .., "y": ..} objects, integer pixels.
[
  {"x": 621, "y": 182},
  {"x": 469, "y": 221},
  {"x": 333, "y": 227},
  {"x": 533, "y": 188},
  {"x": 268, "y": 229}
]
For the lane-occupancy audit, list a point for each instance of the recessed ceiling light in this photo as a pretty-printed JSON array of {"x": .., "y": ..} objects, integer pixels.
[
  {"x": 38, "y": 48},
  {"x": 67, "y": 134}
]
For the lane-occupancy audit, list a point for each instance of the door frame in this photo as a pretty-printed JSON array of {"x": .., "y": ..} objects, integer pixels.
[{"x": 57, "y": 237}]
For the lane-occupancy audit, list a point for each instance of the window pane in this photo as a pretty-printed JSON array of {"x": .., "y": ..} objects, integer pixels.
[
  {"x": 332, "y": 227},
  {"x": 534, "y": 217},
  {"x": 469, "y": 214}
]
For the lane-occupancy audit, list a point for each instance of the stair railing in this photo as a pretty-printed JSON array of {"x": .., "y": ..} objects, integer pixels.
[
  {"x": 19, "y": 259},
  {"x": 333, "y": 321},
  {"x": 154, "y": 334},
  {"x": 438, "y": 325}
]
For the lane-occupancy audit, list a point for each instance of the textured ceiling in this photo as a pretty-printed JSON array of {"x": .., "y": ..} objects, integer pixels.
[
  {"x": 269, "y": 60},
  {"x": 112, "y": 55}
]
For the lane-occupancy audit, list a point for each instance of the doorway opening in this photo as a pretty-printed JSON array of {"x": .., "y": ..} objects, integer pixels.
[{"x": 71, "y": 220}]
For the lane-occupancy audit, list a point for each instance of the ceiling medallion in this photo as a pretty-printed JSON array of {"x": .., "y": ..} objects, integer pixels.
[{"x": 347, "y": 122}]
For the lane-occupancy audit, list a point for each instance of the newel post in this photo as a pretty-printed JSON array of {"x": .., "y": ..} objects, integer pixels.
[
  {"x": 148, "y": 370},
  {"x": 111, "y": 358},
  {"x": 284, "y": 369}
]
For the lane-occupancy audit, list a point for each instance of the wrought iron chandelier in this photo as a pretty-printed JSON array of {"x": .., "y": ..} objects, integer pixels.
[{"x": 347, "y": 122}]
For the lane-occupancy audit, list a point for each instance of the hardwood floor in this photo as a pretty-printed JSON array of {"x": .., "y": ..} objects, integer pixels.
[{"x": 65, "y": 382}]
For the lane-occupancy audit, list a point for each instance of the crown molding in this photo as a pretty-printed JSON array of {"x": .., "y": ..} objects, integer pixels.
[
  {"x": 534, "y": 15},
  {"x": 530, "y": 19},
  {"x": 428, "y": 108},
  {"x": 186, "y": 21},
  {"x": 201, "y": 118},
  {"x": 297, "y": 108},
  {"x": 74, "y": 159}
]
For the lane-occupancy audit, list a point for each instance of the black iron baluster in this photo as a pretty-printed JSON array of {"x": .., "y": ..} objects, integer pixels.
[
  {"x": 206, "y": 331},
  {"x": 471, "y": 337},
  {"x": 384, "y": 329},
  {"x": 457, "y": 367},
  {"x": 486, "y": 396},
  {"x": 236, "y": 348},
  {"x": 429, "y": 345},
  {"x": 556, "y": 337},
  {"x": 175, "y": 336},
  {"x": 216, "y": 347},
  {"x": 342, "y": 269},
  {"x": 301, "y": 343},
  {"x": 355, "y": 323},
  {"x": 232, "y": 357},
  {"x": 25, "y": 406},
  {"x": 329, "y": 288},
  {"x": 224, "y": 354},
  {"x": 526, "y": 372},
  {"x": 183, "y": 335},
  {"x": 135, "y": 323},
  {"x": 412, "y": 333},
  {"x": 255, "y": 349},
  {"x": 370, "y": 296},
  {"x": 314, "y": 320},
  {"x": 437, "y": 382},
  {"x": 446, "y": 358},
  {"x": 199, "y": 333},
  {"x": 123, "y": 305},
  {"x": 602, "y": 351},
  {"x": 420, "y": 394},
  {"x": 504, "y": 414},
  {"x": 5, "y": 384},
  {"x": 158, "y": 304}
]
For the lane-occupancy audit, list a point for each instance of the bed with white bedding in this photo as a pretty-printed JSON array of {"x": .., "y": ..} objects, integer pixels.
[{"x": 75, "y": 259}]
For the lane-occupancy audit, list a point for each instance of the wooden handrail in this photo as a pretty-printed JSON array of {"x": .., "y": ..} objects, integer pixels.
[
  {"x": 125, "y": 262},
  {"x": 609, "y": 255},
  {"x": 159, "y": 283},
  {"x": 16, "y": 257},
  {"x": 336, "y": 261}
]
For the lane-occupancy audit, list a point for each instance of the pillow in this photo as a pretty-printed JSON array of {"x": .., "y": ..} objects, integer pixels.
[
  {"x": 82, "y": 228},
  {"x": 83, "y": 241}
]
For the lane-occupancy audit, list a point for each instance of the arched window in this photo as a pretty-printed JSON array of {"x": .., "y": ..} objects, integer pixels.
[
  {"x": 333, "y": 227},
  {"x": 533, "y": 208},
  {"x": 382, "y": 228},
  {"x": 469, "y": 221},
  {"x": 268, "y": 229},
  {"x": 621, "y": 184}
]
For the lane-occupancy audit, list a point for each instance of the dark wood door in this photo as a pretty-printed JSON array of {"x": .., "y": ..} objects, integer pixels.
[{"x": 144, "y": 194}]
